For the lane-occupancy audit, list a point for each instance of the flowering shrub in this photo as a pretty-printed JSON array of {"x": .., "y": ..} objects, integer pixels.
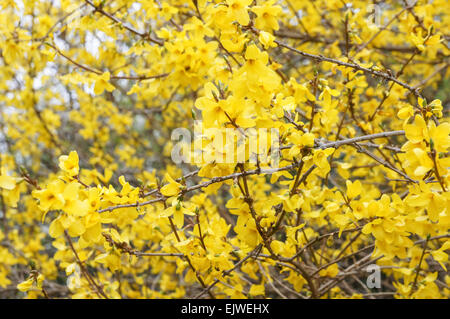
[{"x": 93, "y": 204}]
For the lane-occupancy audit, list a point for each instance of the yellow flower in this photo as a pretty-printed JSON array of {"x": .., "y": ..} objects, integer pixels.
[
  {"x": 267, "y": 16},
  {"x": 237, "y": 10},
  {"x": 440, "y": 135},
  {"x": 51, "y": 197},
  {"x": 7, "y": 182},
  {"x": 434, "y": 202},
  {"x": 238, "y": 110},
  {"x": 171, "y": 189},
  {"x": 320, "y": 160},
  {"x": 69, "y": 164},
  {"x": 257, "y": 290},
  {"x": 102, "y": 83},
  {"x": 436, "y": 107},
  {"x": 331, "y": 271},
  {"x": 177, "y": 210},
  {"x": 247, "y": 231},
  {"x": 418, "y": 41},
  {"x": 440, "y": 256},
  {"x": 353, "y": 189},
  {"x": 212, "y": 110},
  {"x": 167, "y": 11},
  {"x": 39, "y": 280},
  {"x": 233, "y": 40},
  {"x": 267, "y": 40},
  {"x": 418, "y": 131},
  {"x": 300, "y": 140},
  {"x": 406, "y": 112},
  {"x": 26, "y": 285},
  {"x": 326, "y": 95}
]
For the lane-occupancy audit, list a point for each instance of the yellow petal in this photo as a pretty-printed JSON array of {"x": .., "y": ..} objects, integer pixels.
[
  {"x": 353, "y": 189},
  {"x": 7, "y": 182},
  {"x": 56, "y": 229},
  {"x": 26, "y": 285}
]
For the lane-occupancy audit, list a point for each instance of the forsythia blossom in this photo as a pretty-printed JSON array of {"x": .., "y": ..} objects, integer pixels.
[{"x": 314, "y": 146}]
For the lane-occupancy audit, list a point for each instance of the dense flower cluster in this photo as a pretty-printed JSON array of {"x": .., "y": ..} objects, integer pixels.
[{"x": 93, "y": 206}]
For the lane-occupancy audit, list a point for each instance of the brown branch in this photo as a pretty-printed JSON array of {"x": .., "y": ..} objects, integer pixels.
[
  {"x": 144, "y": 35},
  {"x": 251, "y": 254},
  {"x": 321, "y": 58},
  {"x": 364, "y": 45},
  {"x": 114, "y": 77},
  {"x": 255, "y": 171},
  {"x": 197, "y": 275},
  {"x": 96, "y": 287},
  {"x": 414, "y": 285}
]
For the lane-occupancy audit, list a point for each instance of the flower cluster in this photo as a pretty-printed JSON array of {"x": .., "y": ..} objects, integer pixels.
[{"x": 92, "y": 204}]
